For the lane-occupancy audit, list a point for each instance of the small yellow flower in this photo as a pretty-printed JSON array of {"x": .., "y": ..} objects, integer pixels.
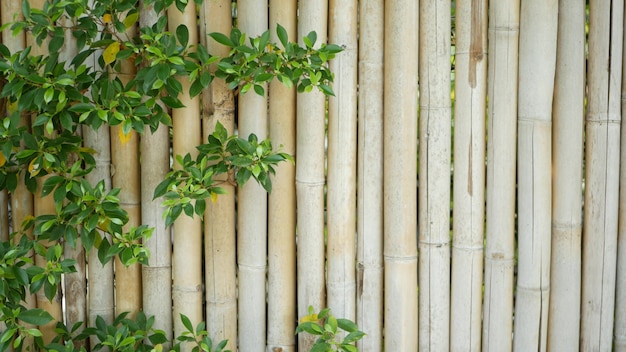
[
  {"x": 107, "y": 18},
  {"x": 311, "y": 318}
]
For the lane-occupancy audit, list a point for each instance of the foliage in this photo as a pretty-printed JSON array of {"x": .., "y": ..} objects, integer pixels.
[
  {"x": 328, "y": 328},
  {"x": 51, "y": 97}
]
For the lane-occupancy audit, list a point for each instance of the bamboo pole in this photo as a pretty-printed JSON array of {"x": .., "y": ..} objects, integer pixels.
[
  {"x": 434, "y": 176},
  {"x": 501, "y": 156},
  {"x": 567, "y": 151},
  {"x": 537, "y": 58},
  {"x": 369, "y": 295},
  {"x": 219, "y": 219},
  {"x": 44, "y": 206},
  {"x": 601, "y": 174},
  {"x": 281, "y": 222},
  {"x": 310, "y": 179},
  {"x": 469, "y": 175},
  {"x": 342, "y": 149},
  {"x": 75, "y": 284},
  {"x": 400, "y": 185},
  {"x": 4, "y": 215},
  {"x": 619, "y": 344},
  {"x": 252, "y": 203},
  {"x": 125, "y": 175},
  {"x": 100, "y": 283},
  {"x": 187, "y": 252},
  {"x": 155, "y": 164}
]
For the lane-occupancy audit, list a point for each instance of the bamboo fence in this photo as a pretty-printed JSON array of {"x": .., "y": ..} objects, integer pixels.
[{"x": 469, "y": 137}]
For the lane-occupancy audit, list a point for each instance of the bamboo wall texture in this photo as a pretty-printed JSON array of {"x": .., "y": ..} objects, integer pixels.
[{"x": 493, "y": 156}]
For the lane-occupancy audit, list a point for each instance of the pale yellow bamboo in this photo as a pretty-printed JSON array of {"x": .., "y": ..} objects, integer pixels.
[
  {"x": 155, "y": 164},
  {"x": 400, "y": 198},
  {"x": 501, "y": 156},
  {"x": 125, "y": 175},
  {"x": 469, "y": 175},
  {"x": 281, "y": 222},
  {"x": 310, "y": 179},
  {"x": 252, "y": 203},
  {"x": 218, "y": 104},
  {"x": 100, "y": 283},
  {"x": 187, "y": 252},
  {"x": 44, "y": 206},
  {"x": 567, "y": 146},
  {"x": 75, "y": 284},
  {"x": 434, "y": 176},
  {"x": 342, "y": 149},
  {"x": 601, "y": 174},
  {"x": 537, "y": 58},
  {"x": 619, "y": 343},
  {"x": 369, "y": 295}
]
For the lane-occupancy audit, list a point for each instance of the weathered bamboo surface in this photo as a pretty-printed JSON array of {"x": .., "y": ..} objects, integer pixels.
[{"x": 496, "y": 126}]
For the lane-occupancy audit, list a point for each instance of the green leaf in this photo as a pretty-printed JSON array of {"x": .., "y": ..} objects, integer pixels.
[
  {"x": 131, "y": 19},
  {"x": 26, "y": 8},
  {"x": 258, "y": 89},
  {"x": 282, "y": 35},
  {"x": 161, "y": 188},
  {"x": 182, "y": 34},
  {"x": 186, "y": 322},
  {"x": 36, "y": 316},
  {"x": 347, "y": 325},
  {"x": 222, "y": 39}
]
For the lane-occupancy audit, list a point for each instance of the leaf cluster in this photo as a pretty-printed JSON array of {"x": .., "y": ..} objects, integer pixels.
[{"x": 329, "y": 331}]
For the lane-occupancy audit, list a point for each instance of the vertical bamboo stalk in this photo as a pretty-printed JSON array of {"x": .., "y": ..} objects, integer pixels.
[
  {"x": 155, "y": 164},
  {"x": 400, "y": 185},
  {"x": 44, "y": 206},
  {"x": 219, "y": 219},
  {"x": 342, "y": 148},
  {"x": 369, "y": 306},
  {"x": 434, "y": 178},
  {"x": 501, "y": 156},
  {"x": 4, "y": 215},
  {"x": 125, "y": 175},
  {"x": 187, "y": 253},
  {"x": 620, "y": 289},
  {"x": 252, "y": 203},
  {"x": 469, "y": 175},
  {"x": 75, "y": 284},
  {"x": 310, "y": 178},
  {"x": 537, "y": 58},
  {"x": 567, "y": 150},
  {"x": 281, "y": 223},
  {"x": 601, "y": 174}
]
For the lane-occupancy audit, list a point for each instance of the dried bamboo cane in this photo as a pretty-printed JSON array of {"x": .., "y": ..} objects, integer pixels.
[
  {"x": 252, "y": 204},
  {"x": 567, "y": 150},
  {"x": 537, "y": 58},
  {"x": 44, "y": 206},
  {"x": 281, "y": 222},
  {"x": 369, "y": 304},
  {"x": 219, "y": 218},
  {"x": 310, "y": 179},
  {"x": 469, "y": 175},
  {"x": 155, "y": 164},
  {"x": 187, "y": 253},
  {"x": 501, "y": 156},
  {"x": 601, "y": 174},
  {"x": 125, "y": 175},
  {"x": 400, "y": 185},
  {"x": 619, "y": 342},
  {"x": 342, "y": 149},
  {"x": 434, "y": 176}
]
